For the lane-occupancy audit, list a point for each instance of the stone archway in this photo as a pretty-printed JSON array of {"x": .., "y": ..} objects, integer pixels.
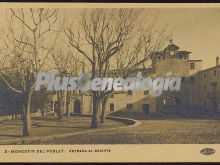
[{"x": 76, "y": 106}]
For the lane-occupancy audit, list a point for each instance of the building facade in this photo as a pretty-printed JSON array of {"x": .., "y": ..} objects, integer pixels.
[{"x": 200, "y": 89}]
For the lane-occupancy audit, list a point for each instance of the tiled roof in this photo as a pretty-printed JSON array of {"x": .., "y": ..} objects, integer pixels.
[{"x": 172, "y": 47}]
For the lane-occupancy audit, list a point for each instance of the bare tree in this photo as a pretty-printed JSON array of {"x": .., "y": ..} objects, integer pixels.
[
  {"x": 136, "y": 54},
  {"x": 26, "y": 49},
  {"x": 67, "y": 65},
  {"x": 103, "y": 36}
]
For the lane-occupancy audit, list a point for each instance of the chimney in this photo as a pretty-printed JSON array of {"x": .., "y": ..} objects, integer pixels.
[{"x": 217, "y": 61}]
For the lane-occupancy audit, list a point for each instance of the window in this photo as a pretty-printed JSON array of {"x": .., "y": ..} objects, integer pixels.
[
  {"x": 214, "y": 73},
  {"x": 192, "y": 79},
  {"x": 146, "y": 92},
  {"x": 171, "y": 101},
  {"x": 214, "y": 86},
  {"x": 204, "y": 88},
  {"x": 146, "y": 108},
  {"x": 164, "y": 101},
  {"x": 182, "y": 56},
  {"x": 129, "y": 92},
  {"x": 183, "y": 79},
  {"x": 204, "y": 103},
  {"x": 205, "y": 75},
  {"x": 192, "y": 66},
  {"x": 129, "y": 106},
  {"x": 111, "y": 107}
]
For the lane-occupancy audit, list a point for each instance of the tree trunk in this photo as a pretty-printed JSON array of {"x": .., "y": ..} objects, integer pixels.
[
  {"x": 68, "y": 95},
  {"x": 104, "y": 101},
  {"x": 67, "y": 109},
  {"x": 60, "y": 105},
  {"x": 26, "y": 115},
  {"x": 60, "y": 110},
  {"x": 95, "y": 110},
  {"x": 60, "y": 98}
]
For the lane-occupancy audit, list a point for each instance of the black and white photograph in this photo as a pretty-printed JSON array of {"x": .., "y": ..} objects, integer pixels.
[{"x": 109, "y": 76}]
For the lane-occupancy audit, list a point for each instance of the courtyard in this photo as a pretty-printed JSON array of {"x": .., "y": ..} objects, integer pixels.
[
  {"x": 150, "y": 130},
  {"x": 43, "y": 128},
  {"x": 169, "y": 131}
]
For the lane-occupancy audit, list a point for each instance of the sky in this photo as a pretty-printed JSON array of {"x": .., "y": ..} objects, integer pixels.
[{"x": 195, "y": 30}]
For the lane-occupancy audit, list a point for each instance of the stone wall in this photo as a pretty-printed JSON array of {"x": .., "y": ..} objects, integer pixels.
[
  {"x": 178, "y": 67},
  {"x": 137, "y": 99},
  {"x": 202, "y": 93},
  {"x": 19, "y": 116}
]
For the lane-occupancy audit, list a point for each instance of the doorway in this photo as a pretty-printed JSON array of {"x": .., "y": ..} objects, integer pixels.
[
  {"x": 76, "y": 106},
  {"x": 112, "y": 109},
  {"x": 146, "y": 108}
]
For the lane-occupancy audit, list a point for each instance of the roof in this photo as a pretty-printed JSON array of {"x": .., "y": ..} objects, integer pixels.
[
  {"x": 212, "y": 68},
  {"x": 184, "y": 52},
  {"x": 195, "y": 60},
  {"x": 172, "y": 46},
  {"x": 157, "y": 53}
]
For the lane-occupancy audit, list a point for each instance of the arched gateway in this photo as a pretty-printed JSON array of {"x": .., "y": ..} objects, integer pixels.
[{"x": 76, "y": 106}]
